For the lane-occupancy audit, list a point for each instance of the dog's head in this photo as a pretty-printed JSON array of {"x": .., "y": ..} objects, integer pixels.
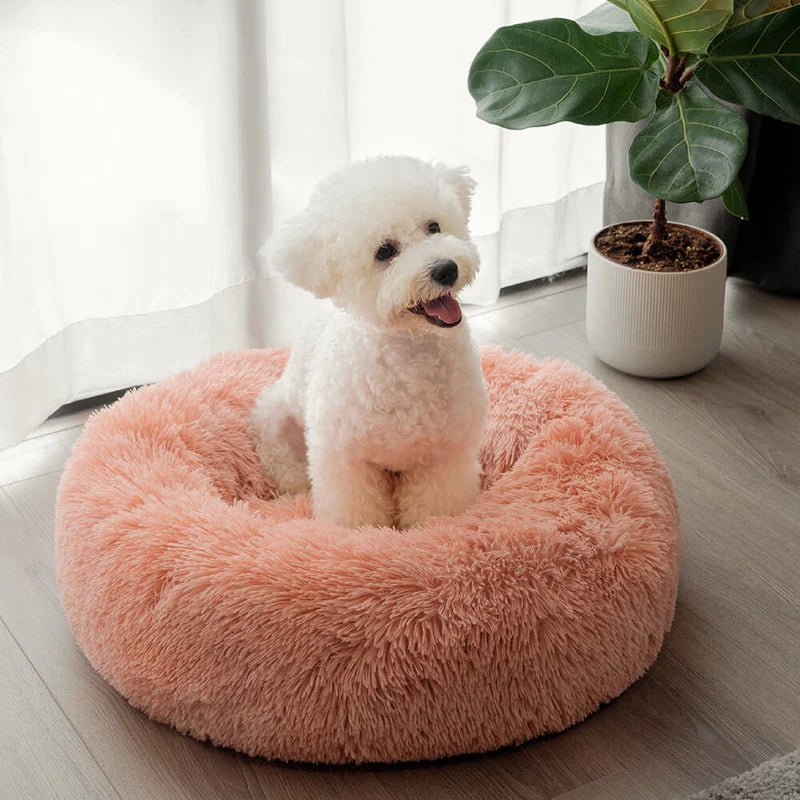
[{"x": 386, "y": 239}]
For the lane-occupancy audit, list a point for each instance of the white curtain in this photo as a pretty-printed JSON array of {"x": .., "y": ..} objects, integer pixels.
[{"x": 148, "y": 147}]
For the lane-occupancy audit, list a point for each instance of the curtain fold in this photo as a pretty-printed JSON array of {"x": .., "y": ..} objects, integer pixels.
[{"x": 147, "y": 149}]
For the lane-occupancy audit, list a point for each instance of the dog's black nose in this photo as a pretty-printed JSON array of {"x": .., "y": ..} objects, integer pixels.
[{"x": 444, "y": 272}]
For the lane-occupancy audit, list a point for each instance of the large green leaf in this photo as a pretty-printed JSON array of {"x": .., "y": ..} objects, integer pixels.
[
  {"x": 734, "y": 201},
  {"x": 682, "y": 26},
  {"x": 757, "y": 65},
  {"x": 691, "y": 149},
  {"x": 747, "y": 10},
  {"x": 547, "y": 71}
]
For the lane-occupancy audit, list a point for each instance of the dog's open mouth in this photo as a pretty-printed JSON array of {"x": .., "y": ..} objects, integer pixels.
[{"x": 444, "y": 311}]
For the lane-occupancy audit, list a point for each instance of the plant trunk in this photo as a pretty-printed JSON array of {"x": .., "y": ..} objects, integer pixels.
[{"x": 657, "y": 229}]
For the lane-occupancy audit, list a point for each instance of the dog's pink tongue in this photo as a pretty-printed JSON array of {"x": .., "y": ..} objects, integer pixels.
[{"x": 446, "y": 308}]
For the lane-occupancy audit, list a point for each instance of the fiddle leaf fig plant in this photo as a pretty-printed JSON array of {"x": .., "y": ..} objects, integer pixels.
[{"x": 671, "y": 62}]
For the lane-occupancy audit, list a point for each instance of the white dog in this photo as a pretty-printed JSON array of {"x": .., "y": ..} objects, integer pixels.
[{"x": 382, "y": 406}]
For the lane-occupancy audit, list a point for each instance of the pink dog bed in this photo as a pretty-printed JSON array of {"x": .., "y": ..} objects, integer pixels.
[{"x": 238, "y": 619}]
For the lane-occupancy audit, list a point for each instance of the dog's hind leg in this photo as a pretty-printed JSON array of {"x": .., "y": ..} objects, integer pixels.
[{"x": 280, "y": 440}]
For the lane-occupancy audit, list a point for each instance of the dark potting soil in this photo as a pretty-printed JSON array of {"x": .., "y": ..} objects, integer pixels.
[{"x": 682, "y": 250}]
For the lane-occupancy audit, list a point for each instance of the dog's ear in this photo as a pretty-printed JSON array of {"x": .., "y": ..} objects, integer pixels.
[
  {"x": 296, "y": 252},
  {"x": 458, "y": 180}
]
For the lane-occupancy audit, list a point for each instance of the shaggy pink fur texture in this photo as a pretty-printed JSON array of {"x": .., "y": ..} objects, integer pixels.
[{"x": 236, "y": 618}]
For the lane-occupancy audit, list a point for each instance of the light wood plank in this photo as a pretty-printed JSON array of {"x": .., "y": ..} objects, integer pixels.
[
  {"x": 506, "y": 324},
  {"x": 37, "y": 455},
  {"x": 762, "y": 338},
  {"x": 41, "y": 756},
  {"x": 548, "y": 312},
  {"x": 533, "y": 291}
]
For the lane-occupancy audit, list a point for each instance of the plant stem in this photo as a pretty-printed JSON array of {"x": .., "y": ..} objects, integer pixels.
[
  {"x": 657, "y": 229},
  {"x": 675, "y": 76},
  {"x": 675, "y": 73},
  {"x": 669, "y": 74}
]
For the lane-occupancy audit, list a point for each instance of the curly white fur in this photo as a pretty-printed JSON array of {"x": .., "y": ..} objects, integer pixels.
[{"x": 381, "y": 409}]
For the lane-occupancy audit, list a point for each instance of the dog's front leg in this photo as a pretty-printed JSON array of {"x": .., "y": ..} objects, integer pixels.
[
  {"x": 350, "y": 493},
  {"x": 446, "y": 485}
]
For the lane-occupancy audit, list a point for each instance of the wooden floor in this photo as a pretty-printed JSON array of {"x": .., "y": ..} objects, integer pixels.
[{"x": 723, "y": 696}]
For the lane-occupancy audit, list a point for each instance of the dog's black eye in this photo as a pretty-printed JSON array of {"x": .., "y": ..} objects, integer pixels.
[
  {"x": 386, "y": 251},
  {"x": 433, "y": 227}
]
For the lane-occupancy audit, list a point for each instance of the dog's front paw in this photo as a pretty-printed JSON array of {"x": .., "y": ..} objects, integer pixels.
[
  {"x": 442, "y": 488},
  {"x": 351, "y": 493}
]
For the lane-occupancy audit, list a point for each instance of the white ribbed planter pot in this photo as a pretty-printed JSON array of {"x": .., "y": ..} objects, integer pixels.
[{"x": 655, "y": 324}]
